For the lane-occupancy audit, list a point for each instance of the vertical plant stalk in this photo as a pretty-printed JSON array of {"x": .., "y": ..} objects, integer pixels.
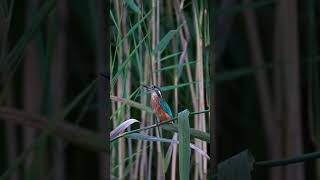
[
  {"x": 142, "y": 173},
  {"x": 154, "y": 41},
  {"x": 156, "y": 78},
  {"x": 143, "y": 100},
  {"x": 32, "y": 86},
  {"x": 198, "y": 162},
  {"x": 147, "y": 78},
  {"x": 174, "y": 151},
  {"x": 292, "y": 111},
  {"x": 39, "y": 166},
  {"x": 174, "y": 159},
  {"x": 214, "y": 122},
  {"x": 112, "y": 56},
  {"x": 127, "y": 75},
  {"x": 120, "y": 115},
  {"x": 118, "y": 54},
  {"x": 58, "y": 86},
  {"x": 157, "y": 41},
  {"x": 150, "y": 158},
  {"x": 170, "y": 5},
  {"x": 121, "y": 145},
  {"x": 144, "y": 117},
  {"x": 313, "y": 81},
  {"x": 278, "y": 89},
  {"x": 113, "y": 110},
  {"x": 184, "y": 39},
  {"x": 98, "y": 18},
  {"x": 146, "y": 161},
  {"x": 272, "y": 131},
  {"x": 10, "y": 128},
  {"x": 108, "y": 54},
  {"x": 200, "y": 124}
]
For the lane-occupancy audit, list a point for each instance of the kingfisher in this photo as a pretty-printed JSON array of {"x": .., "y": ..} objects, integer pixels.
[{"x": 159, "y": 105}]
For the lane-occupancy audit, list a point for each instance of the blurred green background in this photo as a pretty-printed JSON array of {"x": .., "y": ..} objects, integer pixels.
[
  {"x": 51, "y": 51},
  {"x": 267, "y": 83}
]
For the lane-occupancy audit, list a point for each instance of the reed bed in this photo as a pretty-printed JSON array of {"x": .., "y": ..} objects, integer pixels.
[{"x": 162, "y": 43}]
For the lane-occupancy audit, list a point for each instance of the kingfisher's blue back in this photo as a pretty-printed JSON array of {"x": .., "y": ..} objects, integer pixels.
[
  {"x": 160, "y": 107},
  {"x": 164, "y": 105}
]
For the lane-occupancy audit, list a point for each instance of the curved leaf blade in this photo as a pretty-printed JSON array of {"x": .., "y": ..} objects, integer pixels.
[{"x": 123, "y": 126}]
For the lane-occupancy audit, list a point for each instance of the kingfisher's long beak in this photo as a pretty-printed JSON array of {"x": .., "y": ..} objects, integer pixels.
[{"x": 147, "y": 87}]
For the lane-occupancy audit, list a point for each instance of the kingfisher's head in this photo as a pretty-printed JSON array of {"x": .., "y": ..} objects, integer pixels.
[{"x": 155, "y": 90}]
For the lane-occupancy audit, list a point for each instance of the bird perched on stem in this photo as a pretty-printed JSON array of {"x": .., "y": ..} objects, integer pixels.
[{"x": 159, "y": 106}]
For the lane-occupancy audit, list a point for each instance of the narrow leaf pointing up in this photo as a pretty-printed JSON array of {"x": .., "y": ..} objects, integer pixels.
[
  {"x": 184, "y": 144},
  {"x": 165, "y": 40}
]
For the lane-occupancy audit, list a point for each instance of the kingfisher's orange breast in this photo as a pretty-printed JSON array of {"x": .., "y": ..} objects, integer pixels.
[
  {"x": 163, "y": 116},
  {"x": 158, "y": 111}
]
